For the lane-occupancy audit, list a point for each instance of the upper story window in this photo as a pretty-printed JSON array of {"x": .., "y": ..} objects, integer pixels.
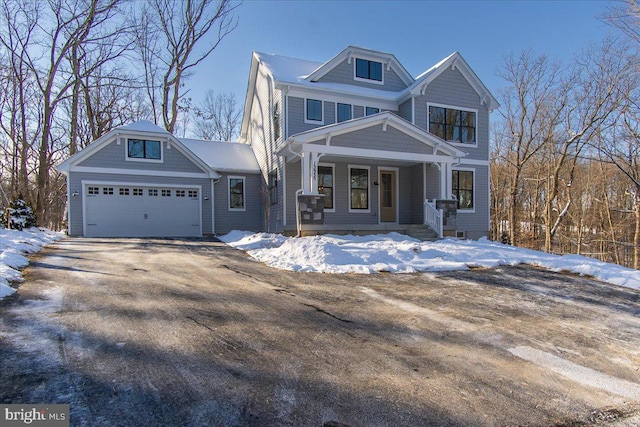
[
  {"x": 371, "y": 110},
  {"x": 144, "y": 149},
  {"x": 313, "y": 111},
  {"x": 368, "y": 70},
  {"x": 452, "y": 124},
  {"x": 276, "y": 122},
  {"x": 344, "y": 112}
]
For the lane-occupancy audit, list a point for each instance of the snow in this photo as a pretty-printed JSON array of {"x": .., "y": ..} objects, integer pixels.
[
  {"x": 143, "y": 126},
  {"x": 397, "y": 253},
  {"x": 14, "y": 245},
  {"x": 224, "y": 156}
]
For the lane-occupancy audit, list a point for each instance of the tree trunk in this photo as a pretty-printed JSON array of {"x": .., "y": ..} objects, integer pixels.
[{"x": 636, "y": 235}]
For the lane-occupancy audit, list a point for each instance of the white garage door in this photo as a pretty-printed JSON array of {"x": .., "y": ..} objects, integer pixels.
[{"x": 141, "y": 211}]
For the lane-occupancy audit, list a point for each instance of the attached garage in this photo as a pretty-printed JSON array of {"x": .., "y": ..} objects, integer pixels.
[{"x": 135, "y": 210}]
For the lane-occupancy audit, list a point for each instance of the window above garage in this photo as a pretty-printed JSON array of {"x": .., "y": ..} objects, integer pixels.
[{"x": 144, "y": 150}]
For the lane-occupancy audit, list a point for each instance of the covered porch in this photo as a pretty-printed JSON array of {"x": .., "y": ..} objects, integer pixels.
[{"x": 374, "y": 174}]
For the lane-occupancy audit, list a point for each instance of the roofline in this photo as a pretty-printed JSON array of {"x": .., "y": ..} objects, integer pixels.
[
  {"x": 385, "y": 118},
  {"x": 248, "y": 100},
  {"x": 350, "y": 52}
]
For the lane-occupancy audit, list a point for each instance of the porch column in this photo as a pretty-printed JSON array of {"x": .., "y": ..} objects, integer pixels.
[
  {"x": 444, "y": 178},
  {"x": 310, "y": 172},
  {"x": 306, "y": 172},
  {"x": 314, "y": 173}
]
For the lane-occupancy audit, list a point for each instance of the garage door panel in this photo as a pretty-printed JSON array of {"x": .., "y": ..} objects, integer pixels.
[{"x": 137, "y": 211}]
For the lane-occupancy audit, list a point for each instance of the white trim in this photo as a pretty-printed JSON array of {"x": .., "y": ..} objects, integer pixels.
[
  {"x": 314, "y": 122},
  {"x": 369, "y": 106},
  {"x": 213, "y": 206},
  {"x": 459, "y": 108},
  {"x": 85, "y": 183},
  {"x": 144, "y": 160},
  {"x": 397, "y": 194},
  {"x": 376, "y": 154},
  {"x": 244, "y": 193},
  {"x": 283, "y": 171},
  {"x": 138, "y": 172},
  {"x": 413, "y": 110},
  {"x": 383, "y": 65},
  {"x": 331, "y": 95},
  {"x": 459, "y": 168},
  {"x": 333, "y": 179},
  {"x": 336, "y": 109},
  {"x": 473, "y": 162},
  {"x": 359, "y": 211}
]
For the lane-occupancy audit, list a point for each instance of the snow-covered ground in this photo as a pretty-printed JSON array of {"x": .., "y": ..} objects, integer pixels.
[
  {"x": 397, "y": 253},
  {"x": 14, "y": 245}
]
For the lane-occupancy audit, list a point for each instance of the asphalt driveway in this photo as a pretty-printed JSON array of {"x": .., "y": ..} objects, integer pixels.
[{"x": 192, "y": 332}]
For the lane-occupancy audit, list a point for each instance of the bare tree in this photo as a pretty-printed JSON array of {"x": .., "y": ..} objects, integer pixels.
[
  {"x": 169, "y": 33},
  {"x": 218, "y": 117}
]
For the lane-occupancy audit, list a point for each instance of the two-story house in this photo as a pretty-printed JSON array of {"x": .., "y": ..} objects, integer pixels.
[
  {"x": 352, "y": 144},
  {"x": 379, "y": 144}
]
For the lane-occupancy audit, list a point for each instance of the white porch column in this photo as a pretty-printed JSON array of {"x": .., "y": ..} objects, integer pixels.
[
  {"x": 310, "y": 172},
  {"x": 306, "y": 172},
  {"x": 444, "y": 179},
  {"x": 314, "y": 173}
]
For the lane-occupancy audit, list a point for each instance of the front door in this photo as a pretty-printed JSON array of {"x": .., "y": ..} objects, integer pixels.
[{"x": 388, "y": 197}]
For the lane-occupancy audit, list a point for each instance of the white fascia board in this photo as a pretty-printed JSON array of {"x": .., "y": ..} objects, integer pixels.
[
  {"x": 248, "y": 100},
  {"x": 364, "y": 153},
  {"x": 138, "y": 172}
]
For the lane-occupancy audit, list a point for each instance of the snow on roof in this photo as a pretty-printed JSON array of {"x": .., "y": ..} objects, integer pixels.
[
  {"x": 223, "y": 156},
  {"x": 286, "y": 69},
  {"x": 143, "y": 126}
]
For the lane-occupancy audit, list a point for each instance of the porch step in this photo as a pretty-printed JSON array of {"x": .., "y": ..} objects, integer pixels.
[{"x": 421, "y": 232}]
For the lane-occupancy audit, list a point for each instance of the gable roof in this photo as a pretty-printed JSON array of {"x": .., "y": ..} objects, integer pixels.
[
  {"x": 387, "y": 59},
  {"x": 454, "y": 61},
  {"x": 210, "y": 156},
  {"x": 386, "y": 118}
]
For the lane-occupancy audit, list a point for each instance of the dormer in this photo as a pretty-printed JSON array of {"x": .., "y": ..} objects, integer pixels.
[{"x": 363, "y": 67}]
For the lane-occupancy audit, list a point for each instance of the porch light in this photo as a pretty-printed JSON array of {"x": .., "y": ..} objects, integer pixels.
[{"x": 75, "y": 194}]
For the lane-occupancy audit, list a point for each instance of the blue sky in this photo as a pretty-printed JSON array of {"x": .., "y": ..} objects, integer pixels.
[{"x": 419, "y": 33}]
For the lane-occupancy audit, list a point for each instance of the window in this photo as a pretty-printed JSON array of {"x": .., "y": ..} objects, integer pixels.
[
  {"x": 153, "y": 192},
  {"x": 193, "y": 194},
  {"x": 368, "y": 70},
  {"x": 93, "y": 191},
  {"x": 273, "y": 187},
  {"x": 453, "y": 125},
  {"x": 138, "y": 192},
  {"x": 372, "y": 110},
  {"x": 107, "y": 191},
  {"x": 314, "y": 110},
  {"x": 325, "y": 185},
  {"x": 463, "y": 188},
  {"x": 276, "y": 122},
  {"x": 143, "y": 149},
  {"x": 344, "y": 112},
  {"x": 359, "y": 189},
  {"x": 166, "y": 193},
  {"x": 181, "y": 193},
  {"x": 123, "y": 191},
  {"x": 236, "y": 193}
]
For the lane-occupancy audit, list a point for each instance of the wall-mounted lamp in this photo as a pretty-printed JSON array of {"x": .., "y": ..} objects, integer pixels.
[
  {"x": 206, "y": 197},
  {"x": 75, "y": 194},
  {"x": 375, "y": 183}
]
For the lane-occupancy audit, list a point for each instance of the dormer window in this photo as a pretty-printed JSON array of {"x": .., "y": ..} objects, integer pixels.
[{"x": 368, "y": 70}]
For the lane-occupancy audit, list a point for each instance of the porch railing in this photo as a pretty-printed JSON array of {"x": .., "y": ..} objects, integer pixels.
[{"x": 433, "y": 217}]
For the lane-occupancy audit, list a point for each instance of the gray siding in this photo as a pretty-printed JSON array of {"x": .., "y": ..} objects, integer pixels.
[
  {"x": 451, "y": 88},
  {"x": 433, "y": 182},
  {"x": 75, "y": 203},
  {"x": 358, "y": 111},
  {"x": 344, "y": 73},
  {"x": 405, "y": 112},
  {"x": 113, "y": 156},
  {"x": 295, "y": 112},
  {"x": 376, "y": 139},
  {"x": 251, "y": 219},
  {"x": 294, "y": 182},
  {"x": 416, "y": 194},
  {"x": 476, "y": 224}
]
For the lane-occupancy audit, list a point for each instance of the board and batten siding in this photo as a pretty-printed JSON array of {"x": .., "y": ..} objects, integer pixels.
[
  {"x": 451, "y": 88},
  {"x": 344, "y": 73},
  {"x": 251, "y": 219},
  {"x": 113, "y": 156},
  {"x": 75, "y": 185}
]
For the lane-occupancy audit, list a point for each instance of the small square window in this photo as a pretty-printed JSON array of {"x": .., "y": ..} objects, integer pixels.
[
  {"x": 372, "y": 110},
  {"x": 123, "y": 191},
  {"x": 93, "y": 191},
  {"x": 344, "y": 112},
  {"x": 138, "y": 192},
  {"x": 314, "y": 110},
  {"x": 180, "y": 193},
  {"x": 166, "y": 193},
  {"x": 153, "y": 192},
  {"x": 193, "y": 194},
  {"x": 107, "y": 191}
]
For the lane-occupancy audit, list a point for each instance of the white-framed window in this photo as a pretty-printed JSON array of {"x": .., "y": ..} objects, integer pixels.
[
  {"x": 237, "y": 201},
  {"x": 93, "y": 191},
  {"x": 326, "y": 185},
  {"x": 368, "y": 71},
  {"x": 359, "y": 189},
  {"x": 368, "y": 111},
  {"x": 144, "y": 150},
  {"x": 344, "y": 112},
  {"x": 463, "y": 185},
  {"x": 453, "y": 124},
  {"x": 313, "y": 111}
]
